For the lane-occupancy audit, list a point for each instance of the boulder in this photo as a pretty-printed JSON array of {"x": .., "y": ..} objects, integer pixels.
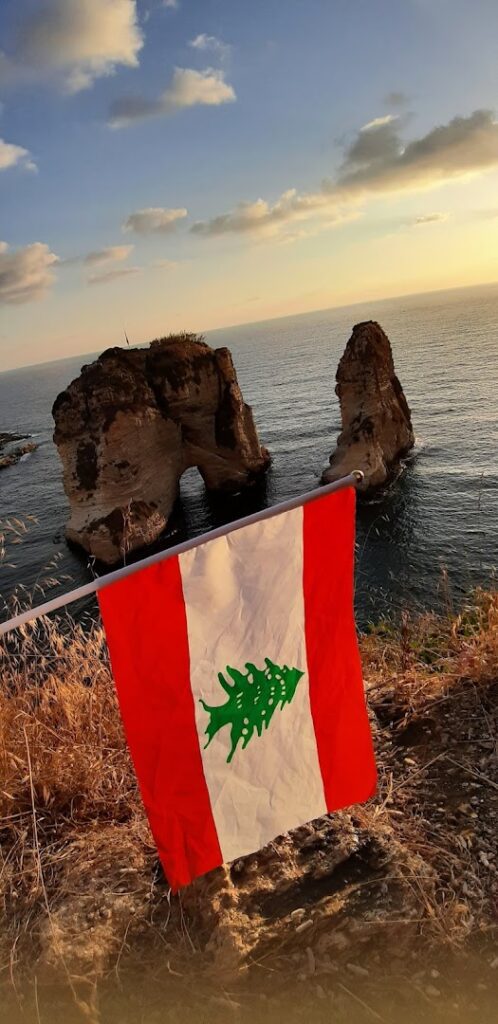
[
  {"x": 133, "y": 422},
  {"x": 14, "y": 455},
  {"x": 376, "y": 422}
]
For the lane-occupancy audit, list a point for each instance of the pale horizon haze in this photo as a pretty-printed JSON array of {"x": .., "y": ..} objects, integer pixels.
[{"x": 173, "y": 165}]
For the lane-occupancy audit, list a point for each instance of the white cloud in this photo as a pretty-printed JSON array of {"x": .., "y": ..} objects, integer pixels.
[
  {"x": 261, "y": 217},
  {"x": 212, "y": 43},
  {"x": 191, "y": 88},
  {"x": 112, "y": 275},
  {"x": 378, "y": 121},
  {"x": 112, "y": 254},
  {"x": 166, "y": 264},
  {"x": 26, "y": 274},
  {"x": 430, "y": 218},
  {"x": 378, "y": 162},
  {"x": 188, "y": 88},
  {"x": 79, "y": 40},
  {"x": 15, "y": 156},
  {"x": 154, "y": 220},
  {"x": 171, "y": 3}
]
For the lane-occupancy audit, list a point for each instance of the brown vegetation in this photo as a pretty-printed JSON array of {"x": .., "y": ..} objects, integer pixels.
[{"x": 409, "y": 874}]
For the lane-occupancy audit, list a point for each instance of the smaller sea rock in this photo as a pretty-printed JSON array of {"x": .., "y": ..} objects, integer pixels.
[{"x": 376, "y": 421}]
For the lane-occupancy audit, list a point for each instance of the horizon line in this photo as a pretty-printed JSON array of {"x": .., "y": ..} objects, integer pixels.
[{"x": 273, "y": 319}]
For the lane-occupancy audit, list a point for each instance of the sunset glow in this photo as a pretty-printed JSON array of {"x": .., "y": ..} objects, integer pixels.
[{"x": 189, "y": 166}]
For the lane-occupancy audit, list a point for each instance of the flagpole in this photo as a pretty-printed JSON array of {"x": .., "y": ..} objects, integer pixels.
[{"x": 352, "y": 480}]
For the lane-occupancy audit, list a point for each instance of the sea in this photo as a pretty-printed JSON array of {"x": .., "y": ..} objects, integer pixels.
[{"x": 423, "y": 544}]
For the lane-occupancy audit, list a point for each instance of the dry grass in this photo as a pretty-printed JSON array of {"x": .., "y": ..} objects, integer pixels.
[
  {"x": 77, "y": 863},
  {"x": 440, "y": 650},
  {"x": 66, "y": 781}
]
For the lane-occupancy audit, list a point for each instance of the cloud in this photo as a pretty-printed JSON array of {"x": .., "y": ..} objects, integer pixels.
[
  {"x": 171, "y": 3},
  {"x": 15, "y": 156},
  {"x": 78, "y": 40},
  {"x": 374, "y": 142},
  {"x": 191, "y": 88},
  {"x": 396, "y": 99},
  {"x": 188, "y": 88},
  {"x": 212, "y": 43},
  {"x": 166, "y": 264},
  {"x": 323, "y": 220},
  {"x": 379, "y": 121},
  {"x": 112, "y": 254},
  {"x": 112, "y": 275},
  {"x": 261, "y": 217},
  {"x": 429, "y": 218},
  {"x": 377, "y": 162},
  {"x": 26, "y": 274},
  {"x": 154, "y": 220}
]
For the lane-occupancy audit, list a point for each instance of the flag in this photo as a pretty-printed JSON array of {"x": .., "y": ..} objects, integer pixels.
[{"x": 240, "y": 687}]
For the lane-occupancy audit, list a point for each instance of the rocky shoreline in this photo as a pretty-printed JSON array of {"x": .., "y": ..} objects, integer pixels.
[{"x": 10, "y": 458}]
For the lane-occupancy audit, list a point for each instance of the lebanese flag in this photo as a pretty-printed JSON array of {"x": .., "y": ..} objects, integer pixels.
[{"x": 240, "y": 687}]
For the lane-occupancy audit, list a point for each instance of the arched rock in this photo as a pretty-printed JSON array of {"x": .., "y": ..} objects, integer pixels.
[{"x": 133, "y": 422}]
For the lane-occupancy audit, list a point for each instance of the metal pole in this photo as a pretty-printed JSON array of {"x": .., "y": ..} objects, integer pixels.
[{"x": 93, "y": 586}]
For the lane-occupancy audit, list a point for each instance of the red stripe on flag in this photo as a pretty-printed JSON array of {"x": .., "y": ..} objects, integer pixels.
[
  {"x": 146, "y": 629},
  {"x": 338, "y": 709}
]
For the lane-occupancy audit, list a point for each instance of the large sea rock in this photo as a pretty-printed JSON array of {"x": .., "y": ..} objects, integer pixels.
[
  {"x": 376, "y": 421},
  {"x": 133, "y": 422}
]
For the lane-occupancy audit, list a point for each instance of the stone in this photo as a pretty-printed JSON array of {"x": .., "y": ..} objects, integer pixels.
[
  {"x": 14, "y": 455},
  {"x": 130, "y": 425},
  {"x": 304, "y": 927},
  {"x": 357, "y": 970},
  {"x": 432, "y": 991},
  {"x": 298, "y": 914},
  {"x": 376, "y": 421}
]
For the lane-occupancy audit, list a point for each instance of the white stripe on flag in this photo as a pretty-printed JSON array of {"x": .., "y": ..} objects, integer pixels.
[{"x": 244, "y": 603}]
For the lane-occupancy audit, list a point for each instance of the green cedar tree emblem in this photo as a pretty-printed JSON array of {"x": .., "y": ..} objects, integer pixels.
[{"x": 253, "y": 698}]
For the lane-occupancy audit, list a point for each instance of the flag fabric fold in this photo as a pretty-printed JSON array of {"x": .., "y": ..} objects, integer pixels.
[{"x": 239, "y": 682}]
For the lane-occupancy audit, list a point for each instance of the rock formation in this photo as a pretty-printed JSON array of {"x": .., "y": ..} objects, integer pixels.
[
  {"x": 376, "y": 423},
  {"x": 129, "y": 426},
  {"x": 14, "y": 455}
]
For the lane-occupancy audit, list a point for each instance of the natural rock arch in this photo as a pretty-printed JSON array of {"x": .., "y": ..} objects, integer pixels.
[{"x": 132, "y": 423}]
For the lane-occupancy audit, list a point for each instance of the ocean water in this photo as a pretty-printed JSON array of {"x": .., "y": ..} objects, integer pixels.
[{"x": 438, "y": 522}]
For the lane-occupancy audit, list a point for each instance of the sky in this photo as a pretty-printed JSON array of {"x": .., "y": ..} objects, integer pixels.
[{"x": 176, "y": 165}]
